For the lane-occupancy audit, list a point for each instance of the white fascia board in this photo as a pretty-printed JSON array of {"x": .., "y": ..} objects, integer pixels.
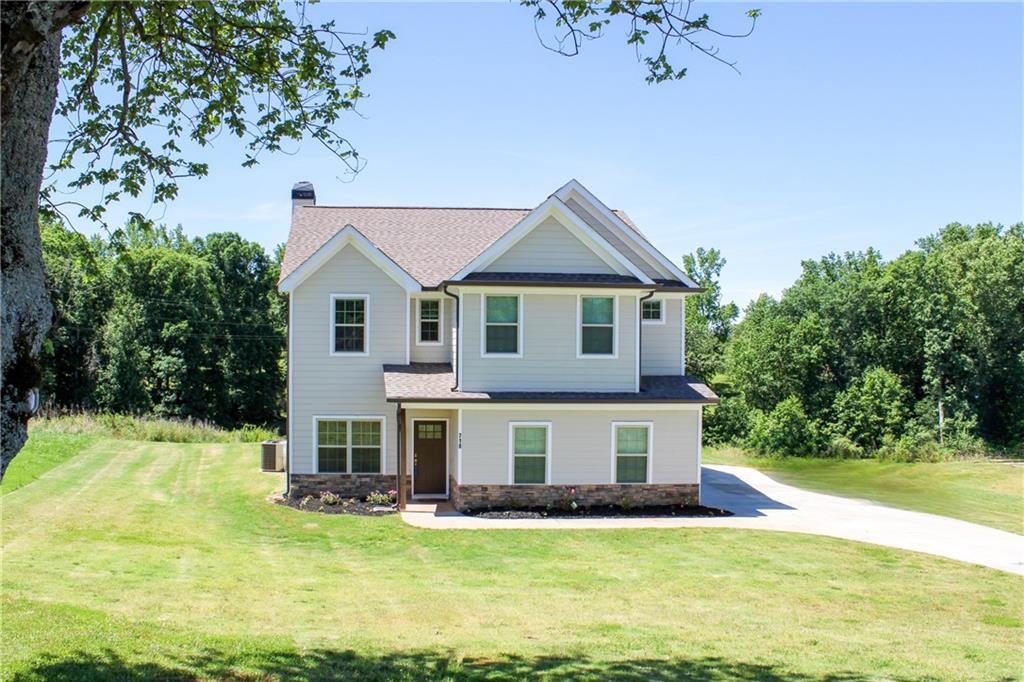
[
  {"x": 555, "y": 207},
  {"x": 347, "y": 236},
  {"x": 626, "y": 232}
]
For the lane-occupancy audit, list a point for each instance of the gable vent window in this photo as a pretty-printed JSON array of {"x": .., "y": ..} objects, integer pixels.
[
  {"x": 597, "y": 326},
  {"x": 349, "y": 325},
  {"x": 652, "y": 311},
  {"x": 501, "y": 320},
  {"x": 430, "y": 322}
]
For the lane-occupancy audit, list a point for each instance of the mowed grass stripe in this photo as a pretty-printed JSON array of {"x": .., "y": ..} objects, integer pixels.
[{"x": 229, "y": 570}]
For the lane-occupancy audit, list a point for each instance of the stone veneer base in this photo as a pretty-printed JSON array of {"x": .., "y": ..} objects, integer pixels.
[
  {"x": 346, "y": 485},
  {"x": 466, "y": 497}
]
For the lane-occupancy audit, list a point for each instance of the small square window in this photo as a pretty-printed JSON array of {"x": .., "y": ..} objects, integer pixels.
[{"x": 652, "y": 311}]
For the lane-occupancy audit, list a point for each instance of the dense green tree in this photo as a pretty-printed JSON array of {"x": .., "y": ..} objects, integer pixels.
[
  {"x": 786, "y": 430},
  {"x": 874, "y": 409},
  {"x": 709, "y": 322},
  {"x": 945, "y": 321}
]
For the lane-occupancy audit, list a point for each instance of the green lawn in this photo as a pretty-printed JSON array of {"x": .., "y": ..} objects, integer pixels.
[
  {"x": 985, "y": 492},
  {"x": 137, "y": 560}
]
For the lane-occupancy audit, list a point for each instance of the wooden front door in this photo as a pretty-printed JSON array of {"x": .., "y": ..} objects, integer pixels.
[{"x": 429, "y": 457}]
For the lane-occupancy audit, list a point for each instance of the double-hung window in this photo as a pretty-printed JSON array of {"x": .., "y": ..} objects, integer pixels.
[
  {"x": 652, "y": 311},
  {"x": 349, "y": 446},
  {"x": 631, "y": 446},
  {"x": 349, "y": 324},
  {"x": 529, "y": 450},
  {"x": 502, "y": 319},
  {"x": 429, "y": 322},
  {"x": 597, "y": 326}
]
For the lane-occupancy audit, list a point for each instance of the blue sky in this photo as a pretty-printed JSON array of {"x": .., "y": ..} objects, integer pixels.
[{"x": 852, "y": 125}]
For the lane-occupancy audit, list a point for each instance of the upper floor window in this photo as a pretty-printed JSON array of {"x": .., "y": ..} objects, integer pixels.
[
  {"x": 652, "y": 311},
  {"x": 502, "y": 317},
  {"x": 530, "y": 446},
  {"x": 349, "y": 446},
  {"x": 597, "y": 326},
  {"x": 632, "y": 448},
  {"x": 349, "y": 328},
  {"x": 429, "y": 322}
]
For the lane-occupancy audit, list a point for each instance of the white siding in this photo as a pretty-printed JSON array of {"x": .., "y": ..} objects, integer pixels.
[
  {"x": 581, "y": 444},
  {"x": 439, "y": 353},
  {"x": 549, "y": 361},
  {"x": 550, "y": 247},
  {"x": 326, "y": 385},
  {"x": 662, "y": 344}
]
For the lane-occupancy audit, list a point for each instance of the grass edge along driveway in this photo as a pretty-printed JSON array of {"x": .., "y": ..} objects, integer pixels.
[{"x": 980, "y": 491}]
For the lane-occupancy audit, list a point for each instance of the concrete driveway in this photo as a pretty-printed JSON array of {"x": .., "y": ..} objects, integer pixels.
[{"x": 761, "y": 503}]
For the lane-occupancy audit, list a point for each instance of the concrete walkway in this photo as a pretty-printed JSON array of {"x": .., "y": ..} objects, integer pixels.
[{"x": 762, "y": 503}]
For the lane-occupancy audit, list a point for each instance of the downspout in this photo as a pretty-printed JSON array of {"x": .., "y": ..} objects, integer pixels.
[
  {"x": 640, "y": 330},
  {"x": 458, "y": 339}
]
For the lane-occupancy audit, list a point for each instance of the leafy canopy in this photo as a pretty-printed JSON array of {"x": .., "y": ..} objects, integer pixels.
[{"x": 139, "y": 78}]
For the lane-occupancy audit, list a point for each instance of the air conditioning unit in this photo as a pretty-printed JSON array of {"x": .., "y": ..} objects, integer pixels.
[{"x": 273, "y": 454}]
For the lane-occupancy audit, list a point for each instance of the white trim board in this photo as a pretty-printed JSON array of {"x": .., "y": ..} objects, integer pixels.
[
  {"x": 520, "y": 322},
  {"x": 625, "y": 232},
  {"x": 332, "y": 320},
  {"x": 650, "y": 450},
  {"x": 440, "y": 320},
  {"x": 512, "y": 456},
  {"x": 349, "y": 236},
  {"x": 580, "y": 355},
  {"x": 555, "y": 207},
  {"x": 348, "y": 448}
]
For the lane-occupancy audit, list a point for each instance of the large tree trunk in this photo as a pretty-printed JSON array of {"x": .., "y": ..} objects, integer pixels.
[{"x": 30, "y": 68}]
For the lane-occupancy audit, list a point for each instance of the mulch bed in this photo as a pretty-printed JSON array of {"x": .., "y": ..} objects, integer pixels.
[
  {"x": 346, "y": 506},
  {"x": 602, "y": 512}
]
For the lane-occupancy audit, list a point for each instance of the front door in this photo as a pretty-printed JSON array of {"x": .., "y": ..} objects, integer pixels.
[{"x": 429, "y": 457}]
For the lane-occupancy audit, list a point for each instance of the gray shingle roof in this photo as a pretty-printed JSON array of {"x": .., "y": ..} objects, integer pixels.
[
  {"x": 431, "y": 244},
  {"x": 433, "y": 382}
]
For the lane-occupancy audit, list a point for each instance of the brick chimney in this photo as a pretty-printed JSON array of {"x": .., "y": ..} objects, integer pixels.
[{"x": 303, "y": 195}]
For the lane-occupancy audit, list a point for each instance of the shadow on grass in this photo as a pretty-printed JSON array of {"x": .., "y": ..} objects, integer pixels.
[{"x": 348, "y": 665}]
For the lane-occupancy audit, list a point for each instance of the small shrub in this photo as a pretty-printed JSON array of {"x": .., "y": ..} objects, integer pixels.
[
  {"x": 842, "y": 447},
  {"x": 727, "y": 422},
  {"x": 786, "y": 430},
  {"x": 306, "y": 502},
  {"x": 567, "y": 500},
  {"x": 377, "y": 497},
  {"x": 330, "y": 499}
]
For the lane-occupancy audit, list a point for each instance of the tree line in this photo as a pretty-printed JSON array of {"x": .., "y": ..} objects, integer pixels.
[
  {"x": 922, "y": 355},
  {"x": 149, "y": 321},
  {"x": 917, "y": 357}
]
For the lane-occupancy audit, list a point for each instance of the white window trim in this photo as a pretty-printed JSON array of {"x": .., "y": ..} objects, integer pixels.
[
  {"x": 650, "y": 450},
  {"x": 348, "y": 447},
  {"x": 440, "y": 321},
  {"x": 579, "y": 329},
  {"x": 512, "y": 455},
  {"x": 483, "y": 328},
  {"x": 366, "y": 326},
  {"x": 412, "y": 449},
  {"x": 661, "y": 305}
]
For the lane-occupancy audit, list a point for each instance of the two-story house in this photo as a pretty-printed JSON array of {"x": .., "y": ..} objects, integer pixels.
[{"x": 495, "y": 356}]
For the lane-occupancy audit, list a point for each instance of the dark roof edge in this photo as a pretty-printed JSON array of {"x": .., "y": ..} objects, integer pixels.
[
  {"x": 703, "y": 401},
  {"x": 682, "y": 289}
]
